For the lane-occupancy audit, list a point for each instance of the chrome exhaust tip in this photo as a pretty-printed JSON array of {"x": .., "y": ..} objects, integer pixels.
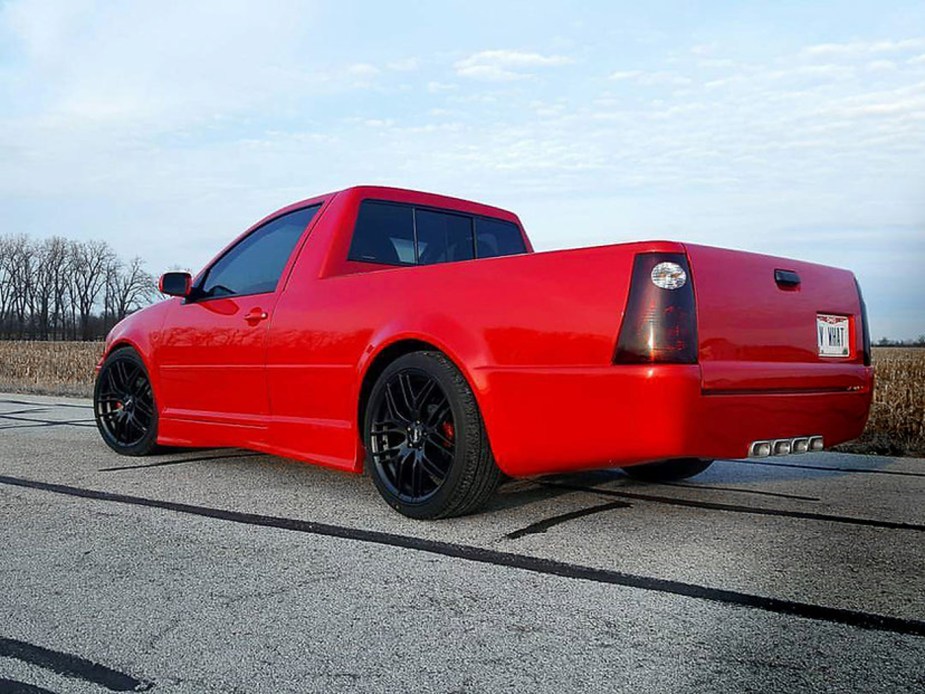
[
  {"x": 800, "y": 444},
  {"x": 782, "y": 447}
]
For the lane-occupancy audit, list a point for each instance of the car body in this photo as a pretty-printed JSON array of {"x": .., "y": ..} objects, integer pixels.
[{"x": 556, "y": 347}]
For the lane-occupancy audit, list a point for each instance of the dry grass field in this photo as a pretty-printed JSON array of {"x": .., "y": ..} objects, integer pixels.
[
  {"x": 897, "y": 418},
  {"x": 896, "y": 426},
  {"x": 49, "y": 368}
]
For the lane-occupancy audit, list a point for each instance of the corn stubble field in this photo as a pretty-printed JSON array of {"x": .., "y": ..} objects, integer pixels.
[{"x": 896, "y": 426}]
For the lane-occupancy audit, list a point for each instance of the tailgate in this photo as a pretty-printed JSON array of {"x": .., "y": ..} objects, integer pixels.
[{"x": 774, "y": 324}]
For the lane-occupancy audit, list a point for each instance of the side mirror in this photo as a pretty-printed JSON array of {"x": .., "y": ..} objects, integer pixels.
[{"x": 175, "y": 284}]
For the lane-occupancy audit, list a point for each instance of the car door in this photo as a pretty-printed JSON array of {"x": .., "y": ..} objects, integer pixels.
[{"x": 212, "y": 352}]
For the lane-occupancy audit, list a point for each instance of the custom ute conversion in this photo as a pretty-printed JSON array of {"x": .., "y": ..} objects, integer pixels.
[{"x": 421, "y": 337}]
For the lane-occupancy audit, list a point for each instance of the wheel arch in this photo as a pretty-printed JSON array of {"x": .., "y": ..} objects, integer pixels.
[
  {"x": 125, "y": 341},
  {"x": 388, "y": 350}
]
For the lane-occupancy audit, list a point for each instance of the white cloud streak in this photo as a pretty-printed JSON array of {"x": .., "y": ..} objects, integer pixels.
[{"x": 506, "y": 65}]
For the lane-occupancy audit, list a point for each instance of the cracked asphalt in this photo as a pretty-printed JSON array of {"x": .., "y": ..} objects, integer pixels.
[{"x": 229, "y": 571}]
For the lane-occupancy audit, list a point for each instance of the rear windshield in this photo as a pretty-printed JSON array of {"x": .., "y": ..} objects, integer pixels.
[{"x": 396, "y": 234}]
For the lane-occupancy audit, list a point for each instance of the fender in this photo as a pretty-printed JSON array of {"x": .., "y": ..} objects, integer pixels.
[
  {"x": 140, "y": 331},
  {"x": 467, "y": 349}
]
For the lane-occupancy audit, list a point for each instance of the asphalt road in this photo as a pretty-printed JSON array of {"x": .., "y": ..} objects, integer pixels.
[{"x": 228, "y": 571}]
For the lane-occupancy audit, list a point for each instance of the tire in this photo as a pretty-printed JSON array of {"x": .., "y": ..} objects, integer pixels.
[
  {"x": 124, "y": 406},
  {"x": 668, "y": 470},
  {"x": 427, "y": 449}
]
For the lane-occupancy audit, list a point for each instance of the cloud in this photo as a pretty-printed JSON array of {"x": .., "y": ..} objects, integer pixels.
[
  {"x": 625, "y": 74},
  {"x": 435, "y": 87},
  {"x": 856, "y": 48},
  {"x": 506, "y": 65},
  {"x": 404, "y": 64},
  {"x": 649, "y": 79},
  {"x": 363, "y": 70}
]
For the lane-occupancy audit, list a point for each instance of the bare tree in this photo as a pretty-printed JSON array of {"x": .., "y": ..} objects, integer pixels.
[
  {"x": 132, "y": 288},
  {"x": 89, "y": 278},
  {"x": 60, "y": 289},
  {"x": 6, "y": 286},
  {"x": 18, "y": 259},
  {"x": 58, "y": 276}
]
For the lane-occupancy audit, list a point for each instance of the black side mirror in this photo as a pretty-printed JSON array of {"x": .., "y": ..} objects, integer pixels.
[{"x": 175, "y": 284}]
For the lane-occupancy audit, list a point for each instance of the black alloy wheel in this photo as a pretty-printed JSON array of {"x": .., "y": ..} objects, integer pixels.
[
  {"x": 413, "y": 435},
  {"x": 123, "y": 404},
  {"x": 428, "y": 451}
]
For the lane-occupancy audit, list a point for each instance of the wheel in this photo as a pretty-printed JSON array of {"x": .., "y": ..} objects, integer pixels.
[
  {"x": 427, "y": 449},
  {"x": 668, "y": 470},
  {"x": 123, "y": 403}
]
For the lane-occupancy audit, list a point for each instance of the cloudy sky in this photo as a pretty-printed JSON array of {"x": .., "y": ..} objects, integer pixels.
[{"x": 792, "y": 128}]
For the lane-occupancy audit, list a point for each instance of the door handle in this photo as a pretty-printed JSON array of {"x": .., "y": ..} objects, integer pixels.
[
  {"x": 255, "y": 315},
  {"x": 786, "y": 278}
]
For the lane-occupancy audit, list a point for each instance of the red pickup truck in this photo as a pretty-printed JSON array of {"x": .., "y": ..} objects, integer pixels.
[{"x": 420, "y": 335}]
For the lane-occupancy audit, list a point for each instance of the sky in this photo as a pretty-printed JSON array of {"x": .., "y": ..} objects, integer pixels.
[{"x": 790, "y": 128}]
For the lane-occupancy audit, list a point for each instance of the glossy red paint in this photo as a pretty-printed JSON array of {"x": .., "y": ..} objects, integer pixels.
[{"x": 534, "y": 334}]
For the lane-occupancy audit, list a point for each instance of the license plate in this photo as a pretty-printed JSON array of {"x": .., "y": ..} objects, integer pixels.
[{"x": 832, "y": 332}]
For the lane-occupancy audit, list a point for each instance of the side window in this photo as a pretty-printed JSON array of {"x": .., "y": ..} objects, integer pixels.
[
  {"x": 443, "y": 237},
  {"x": 255, "y": 264},
  {"x": 495, "y": 237},
  {"x": 384, "y": 233}
]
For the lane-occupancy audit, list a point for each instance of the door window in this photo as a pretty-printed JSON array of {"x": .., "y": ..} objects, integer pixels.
[{"x": 254, "y": 265}]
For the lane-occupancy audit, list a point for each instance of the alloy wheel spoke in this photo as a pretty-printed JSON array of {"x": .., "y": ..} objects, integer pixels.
[
  {"x": 440, "y": 413},
  {"x": 447, "y": 453},
  {"x": 120, "y": 375},
  {"x": 407, "y": 394},
  {"x": 388, "y": 426},
  {"x": 144, "y": 407},
  {"x": 402, "y": 461},
  {"x": 392, "y": 405},
  {"x": 416, "y": 477},
  {"x": 440, "y": 439},
  {"x": 132, "y": 423},
  {"x": 436, "y": 472},
  {"x": 423, "y": 394},
  {"x": 390, "y": 451}
]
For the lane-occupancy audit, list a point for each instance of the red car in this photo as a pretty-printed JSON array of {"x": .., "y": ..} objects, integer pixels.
[{"x": 421, "y": 336}]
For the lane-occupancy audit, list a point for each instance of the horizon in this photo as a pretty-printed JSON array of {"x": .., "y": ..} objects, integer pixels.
[{"x": 790, "y": 130}]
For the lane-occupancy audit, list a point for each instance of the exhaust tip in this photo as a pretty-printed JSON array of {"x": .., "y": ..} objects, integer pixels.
[
  {"x": 816, "y": 443},
  {"x": 800, "y": 445},
  {"x": 760, "y": 449},
  {"x": 782, "y": 447}
]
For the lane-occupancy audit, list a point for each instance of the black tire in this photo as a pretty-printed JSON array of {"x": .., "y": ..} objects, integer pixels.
[
  {"x": 124, "y": 406},
  {"x": 427, "y": 449},
  {"x": 668, "y": 470}
]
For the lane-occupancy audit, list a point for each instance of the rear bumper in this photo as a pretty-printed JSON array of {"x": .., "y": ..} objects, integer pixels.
[{"x": 543, "y": 420}]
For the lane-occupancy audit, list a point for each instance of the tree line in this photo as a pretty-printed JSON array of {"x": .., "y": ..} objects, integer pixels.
[
  {"x": 61, "y": 289},
  {"x": 887, "y": 342}
]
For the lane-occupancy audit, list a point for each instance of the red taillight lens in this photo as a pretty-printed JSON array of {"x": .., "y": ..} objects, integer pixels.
[{"x": 660, "y": 322}]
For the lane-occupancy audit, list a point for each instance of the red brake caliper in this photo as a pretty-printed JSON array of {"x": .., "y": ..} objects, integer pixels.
[{"x": 448, "y": 431}]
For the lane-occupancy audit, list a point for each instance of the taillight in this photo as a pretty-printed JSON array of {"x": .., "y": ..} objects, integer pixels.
[
  {"x": 865, "y": 329},
  {"x": 660, "y": 323}
]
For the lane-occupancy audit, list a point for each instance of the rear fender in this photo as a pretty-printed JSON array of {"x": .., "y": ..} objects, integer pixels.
[{"x": 460, "y": 345}]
